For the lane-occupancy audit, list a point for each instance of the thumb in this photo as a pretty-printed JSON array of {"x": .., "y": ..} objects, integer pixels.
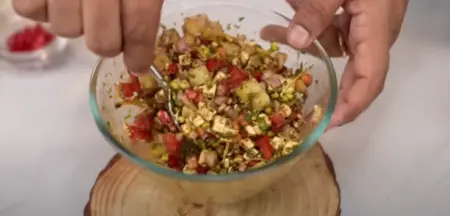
[{"x": 310, "y": 19}]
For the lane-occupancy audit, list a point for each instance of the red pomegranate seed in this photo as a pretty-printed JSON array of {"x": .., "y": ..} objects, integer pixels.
[{"x": 29, "y": 39}]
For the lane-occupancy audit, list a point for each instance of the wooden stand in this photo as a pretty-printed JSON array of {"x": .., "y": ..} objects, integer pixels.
[{"x": 310, "y": 189}]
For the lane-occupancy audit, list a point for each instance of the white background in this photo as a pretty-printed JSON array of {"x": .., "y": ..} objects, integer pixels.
[{"x": 394, "y": 160}]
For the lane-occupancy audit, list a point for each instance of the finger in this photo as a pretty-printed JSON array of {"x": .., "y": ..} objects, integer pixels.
[
  {"x": 65, "y": 17},
  {"x": 362, "y": 82},
  {"x": 140, "y": 20},
  {"x": 32, "y": 9},
  {"x": 310, "y": 19},
  {"x": 101, "y": 26},
  {"x": 329, "y": 39}
]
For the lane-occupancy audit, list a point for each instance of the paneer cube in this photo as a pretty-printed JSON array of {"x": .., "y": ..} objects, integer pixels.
[
  {"x": 247, "y": 143},
  {"x": 277, "y": 142},
  {"x": 285, "y": 110}
]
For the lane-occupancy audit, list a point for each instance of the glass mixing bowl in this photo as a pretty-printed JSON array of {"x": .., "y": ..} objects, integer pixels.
[{"x": 225, "y": 188}]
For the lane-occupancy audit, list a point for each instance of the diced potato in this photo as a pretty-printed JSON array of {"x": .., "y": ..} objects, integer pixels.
[
  {"x": 186, "y": 111},
  {"x": 199, "y": 76},
  {"x": 160, "y": 61},
  {"x": 255, "y": 61},
  {"x": 179, "y": 84},
  {"x": 247, "y": 89},
  {"x": 249, "y": 49},
  {"x": 260, "y": 101},
  {"x": 186, "y": 128},
  {"x": 230, "y": 48},
  {"x": 148, "y": 82},
  {"x": 169, "y": 36},
  {"x": 300, "y": 86},
  {"x": 194, "y": 24},
  {"x": 212, "y": 30}
]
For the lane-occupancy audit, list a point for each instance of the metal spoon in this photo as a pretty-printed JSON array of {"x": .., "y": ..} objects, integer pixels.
[{"x": 164, "y": 85}]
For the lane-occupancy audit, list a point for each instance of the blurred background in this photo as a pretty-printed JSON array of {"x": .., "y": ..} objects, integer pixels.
[{"x": 394, "y": 160}]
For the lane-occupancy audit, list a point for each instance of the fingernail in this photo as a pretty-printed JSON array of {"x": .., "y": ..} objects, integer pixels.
[{"x": 298, "y": 36}]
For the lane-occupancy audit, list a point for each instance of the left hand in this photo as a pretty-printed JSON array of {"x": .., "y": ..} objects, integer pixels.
[{"x": 365, "y": 31}]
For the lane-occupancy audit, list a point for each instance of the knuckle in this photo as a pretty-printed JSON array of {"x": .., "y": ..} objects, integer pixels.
[
  {"x": 102, "y": 48},
  {"x": 315, "y": 12}
]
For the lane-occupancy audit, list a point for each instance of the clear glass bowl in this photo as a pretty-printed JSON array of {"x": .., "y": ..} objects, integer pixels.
[
  {"x": 40, "y": 58},
  {"x": 217, "y": 188}
]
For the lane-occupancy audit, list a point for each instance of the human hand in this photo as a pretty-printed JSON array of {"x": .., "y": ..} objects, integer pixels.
[
  {"x": 365, "y": 31},
  {"x": 110, "y": 27}
]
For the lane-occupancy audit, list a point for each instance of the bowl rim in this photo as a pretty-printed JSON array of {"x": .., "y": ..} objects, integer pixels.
[{"x": 306, "y": 145}]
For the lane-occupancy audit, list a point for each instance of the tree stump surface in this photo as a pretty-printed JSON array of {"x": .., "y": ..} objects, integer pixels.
[{"x": 310, "y": 189}]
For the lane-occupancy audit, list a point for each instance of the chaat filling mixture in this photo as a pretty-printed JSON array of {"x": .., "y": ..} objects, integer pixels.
[{"x": 237, "y": 104}]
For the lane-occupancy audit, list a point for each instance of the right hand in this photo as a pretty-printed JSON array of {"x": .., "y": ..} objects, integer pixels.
[{"x": 110, "y": 27}]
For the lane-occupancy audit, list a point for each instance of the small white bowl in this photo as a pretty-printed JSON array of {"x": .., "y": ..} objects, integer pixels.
[{"x": 40, "y": 58}]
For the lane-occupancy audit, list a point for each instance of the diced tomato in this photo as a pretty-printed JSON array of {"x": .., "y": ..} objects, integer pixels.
[
  {"x": 191, "y": 94},
  {"x": 129, "y": 88},
  {"x": 172, "y": 143},
  {"x": 135, "y": 83},
  {"x": 214, "y": 65},
  {"x": 143, "y": 121},
  {"x": 200, "y": 98},
  {"x": 137, "y": 133},
  {"x": 172, "y": 69},
  {"x": 165, "y": 118},
  {"x": 202, "y": 169},
  {"x": 258, "y": 75},
  {"x": 211, "y": 64},
  {"x": 237, "y": 76},
  {"x": 174, "y": 162},
  {"x": 265, "y": 147},
  {"x": 252, "y": 163},
  {"x": 278, "y": 121}
]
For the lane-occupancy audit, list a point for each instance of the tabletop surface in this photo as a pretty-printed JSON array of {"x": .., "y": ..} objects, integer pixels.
[{"x": 394, "y": 160}]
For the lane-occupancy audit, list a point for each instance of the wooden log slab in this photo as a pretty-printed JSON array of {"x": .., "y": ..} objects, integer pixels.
[{"x": 125, "y": 189}]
